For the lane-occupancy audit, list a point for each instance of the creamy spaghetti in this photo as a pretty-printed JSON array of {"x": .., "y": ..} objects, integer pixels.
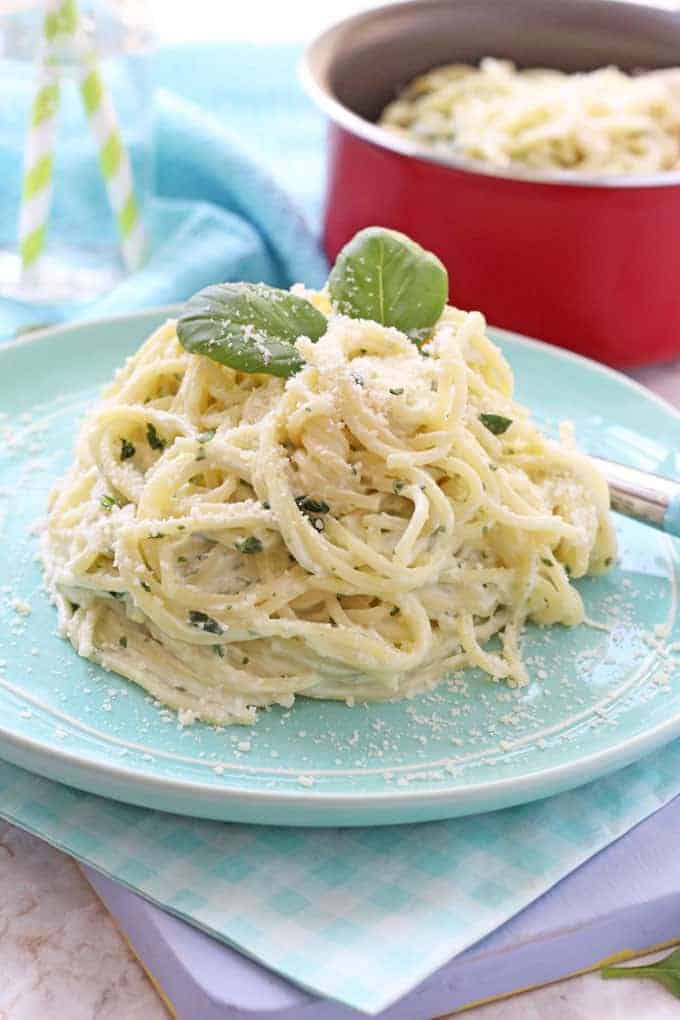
[
  {"x": 600, "y": 122},
  {"x": 385, "y": 516}
]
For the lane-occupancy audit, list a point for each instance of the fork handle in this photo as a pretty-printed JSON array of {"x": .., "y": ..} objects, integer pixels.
[{"x": 649, "y": 498}]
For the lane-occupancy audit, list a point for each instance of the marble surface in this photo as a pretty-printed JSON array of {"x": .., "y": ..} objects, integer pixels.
[
  {"x": 60, "y": 954},
  {"x": 663, "y": 379}
]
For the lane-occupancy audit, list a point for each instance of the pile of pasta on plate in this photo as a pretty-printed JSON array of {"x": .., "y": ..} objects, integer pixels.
[{"x": 322, "y": 493}]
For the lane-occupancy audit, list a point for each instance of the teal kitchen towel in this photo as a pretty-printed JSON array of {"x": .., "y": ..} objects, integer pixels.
[
  {"x": 358, "y": 915},
  {"x": 255, "y": 93}
]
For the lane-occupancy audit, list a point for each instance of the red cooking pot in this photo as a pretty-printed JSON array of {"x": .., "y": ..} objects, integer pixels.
[{"x": 592, "y": 264}]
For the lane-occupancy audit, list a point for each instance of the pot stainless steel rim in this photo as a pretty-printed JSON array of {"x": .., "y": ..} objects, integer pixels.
[{"x": 321, "y": 57}]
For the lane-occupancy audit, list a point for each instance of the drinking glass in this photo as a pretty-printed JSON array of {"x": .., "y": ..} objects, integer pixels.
[{"x": 75, "y": 146}]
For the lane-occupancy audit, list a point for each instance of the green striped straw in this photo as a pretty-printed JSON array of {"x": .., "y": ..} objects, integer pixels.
[
  {"x": 62, "y": 22},
  {"x": 114, "y": 159},
  {"x": 40, "y": 139}
]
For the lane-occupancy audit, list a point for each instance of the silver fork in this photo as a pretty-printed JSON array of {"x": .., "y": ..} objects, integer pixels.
[{"x": 653, "y": 499}]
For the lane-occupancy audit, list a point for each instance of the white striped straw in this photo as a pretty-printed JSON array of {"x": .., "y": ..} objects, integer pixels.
[{"x": 40, "y": 141}]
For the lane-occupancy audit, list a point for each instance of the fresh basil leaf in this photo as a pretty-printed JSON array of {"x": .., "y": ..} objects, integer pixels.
[
  {"x": 666, "y": 972},
  {"x": 495, "y": 423},
  {"x": 249, "y": 545},
  {"x": 155, "y": 441},
  {"x": 249, "y": 327},
  {"x": 309, "y": 505},
  {"x": 127, "y": 449},
  {"x": 385, "y": 276},
  {"x": 204, "y": 622}
]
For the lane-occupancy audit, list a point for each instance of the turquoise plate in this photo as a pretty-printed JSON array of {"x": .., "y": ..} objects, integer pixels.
[{"x": 601, "y": 695}]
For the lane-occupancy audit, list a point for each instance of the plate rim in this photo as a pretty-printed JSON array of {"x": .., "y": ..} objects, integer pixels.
[{"x": 520, "y": 789}]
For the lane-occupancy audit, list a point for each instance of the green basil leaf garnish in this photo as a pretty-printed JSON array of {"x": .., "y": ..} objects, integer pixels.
[
  {"x": 309, "y": 505},
  {"x": 665, "y": 971},
  {"x": 204, "y": 622},
  {"x": 127, "y": 449},
  {"x": 495, "y": 423},
  {"x": 249, "y": 327},
  {"x": 385, "y": 276},
  {"x": 249, "y": 545},
  {"x": 155, "y": 441}
]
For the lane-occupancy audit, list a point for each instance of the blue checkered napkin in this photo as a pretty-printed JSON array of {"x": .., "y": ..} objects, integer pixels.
[{"x": 359, "y": 915}]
